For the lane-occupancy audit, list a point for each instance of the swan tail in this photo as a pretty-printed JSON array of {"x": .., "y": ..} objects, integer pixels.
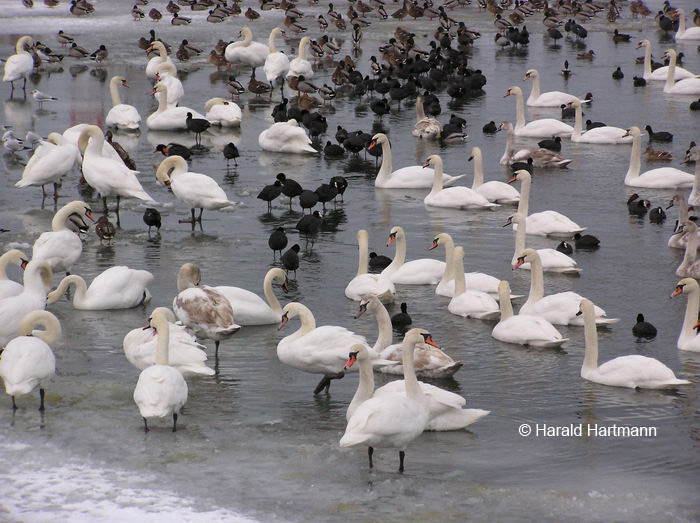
[
  {"x": 674, "y": 382},
  {"x": 456, "y": 419},
  {"x": 352, "y": 439},
  {"x": 549, "y": 344},
  {"x": 509, "y": 201},
  {"x": 492, "y": 315},
  {"x": 22, "y": 183},
  {"x": 563, "y": 163},
  {"x": 452, "y": 180},
  {"x": 195, "y": 370},
  {"x": 606, "y": 321},
  {"x": 442, "y": 372},
  {"x": 569, "y": 270},
  {"x": 384, "y": 363}
]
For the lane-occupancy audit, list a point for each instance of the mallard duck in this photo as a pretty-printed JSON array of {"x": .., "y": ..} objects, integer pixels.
[
  {"x": 257, "y": 87},
  {"x": 654, "y": 155},
  {"x": 218, "y": 60},
  {"x": 588, "y": 55},
  {"x": 155, "y": 15}
]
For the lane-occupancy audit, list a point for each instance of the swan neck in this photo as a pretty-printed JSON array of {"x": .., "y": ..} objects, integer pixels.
[
  {"x": 51, "y": 331},
  {"x": 524, "y": 202},
  {"x": 270, "y": 296},
  {"x": 520, "y": 238},
  {"x": 363, "y": 258},
  {"x": 449, "y": 272},
  {"x": 696, "y": 182},
  {"x": 114, "y": 91},
  {"x": 248, "y": 38},
  {"x": 163, "y": 99},
  {"x": 385, "y": 337},
  {"x": 365, "y": 385},
  {"x": 535, "y": 93},
  {"x": 578, "y": 125},
  {"x": 413, "y": 390},
  {"x": 399, "y": 254},
  {"x": 536, "y": 280},
  {"x": 505, "y": 303},
  {"x": 163, "y": 343},
  {"x": 5, "y": 260},
  {"x": 590, "y": 359},
  {"x": 387, "y": 167},
  {"x": 691, "y": 314},
  {"x": 478, "y": 168},
  {"x": 302, "y": 48},
  {"x": 80, "y": 290},
  {"x": 519, "y": 110},
  {"x": 647, "y": 61},
  {"x": 308, "y": 322},
  {"x": 508, "y": 153},
  {"x": 37, "y": 278},
  {"x": 458, "y": 274},
  {"x": 437, "y": 178},
  {"x": 420, "y": 112},
  {"x": 691, "y": 249},
  {"x": 19, "y": 47},
  {"x": 58, "y": 223},
  {"x": 635, "y": 154},
  {"x": 271, "y": 42},
  {"x": 670, "y": 74}
]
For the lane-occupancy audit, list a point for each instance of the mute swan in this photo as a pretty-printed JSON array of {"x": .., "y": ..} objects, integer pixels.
[
  {"x": 660, "y": 74},
  {"x": 246, "y": 51},
  {"x": 548, "y": 99},
  {"x": 186, "y": 355},
  {"x": 203, "y": 309},
  {"x": 9, "y": 287},
  {"x": 167, "y": 76},
  {"x": 633, "y": 371},
  {"x": 223, "y": 113},
  {"x": 686, "y": 86},
  {"x": 606, "y": 134},
  {"x": 161, "y": 390},
  {"x": 541, "y": 157},
  {"x": 679, "y": 241},
  {"x": 689, "y": 339},
  {"x": 121, "y": 116},
  {"x": 693, "y": 155},
  {"x": 469, "y": 303},
  {"x": 690, "y": 266},
  {"x": 430, "y": 361},
  {"x": 285, "y": 137},
  {"x": 28, "y": 361},
  {"x": 167, "y": 118},
  {"x": 300, "y": 66},
  {"x": 153, "y": 63},
  {"x": 544, "y": 128},
  {"x": 493, "y": 191},
  {"x": 61, "y": 247},
  {"x": 50, "y": 161},
  {"x": 545, "y": 223},
  {"x": 424, "y": 271},
  {"x": 37, "y": 278},
  {"x": 251, "y": 309},
  {"x": 19, "y": 65},
  {"x": 661, "y": 178},
  {"x": 452, "y": 197},
  {"x": 558, "y": 309},
  {"x": 276, "y": 62},
  {"x": 72, "y": 136},
  {"x": 116, "y": 288},
  {"x": 692, "y": 33},
  {"x": 523, "y": 329},
  {"x": 197, "y": 191},
  {"x": 319, "y": 350},
  {"x": 551, "y": 259},
  {"x": 413, "y": 177},
  {"x": 473, "y": 280},
  {"x": 426, "y": 126},
  {"x": 364, "y": 283}
]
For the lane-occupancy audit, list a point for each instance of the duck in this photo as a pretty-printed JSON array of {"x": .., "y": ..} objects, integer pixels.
[
  {"x": 20, "y": 64},
  {"x": 166, "y": 117},
  {"x": 162, "y": 58},
  {"x": 222, "y": 113},
  {"x": 469, "y": 303},
  {"x": 276, "y": 63},
  {"x": 656, "y": 155},
  {"x": 540, "y": 157},
  {"x": 121, "y": 116},
  {"x": 9, "y": 287},
  {"x": 166, "y": 74},
  {"x": 689, "y": 339},
  {"x": 552, "y": 260},
  {"x": 118, "y": 287},
  {"x": 251, "y": 309},
  {"x": 246, "y": 51},
  {"x": 426, "y": 127},
  {"x": 606, "y": 134},
  {"x": 544, "y": 128},
  {"x": 452, "y": 197},
  {"x": 643, "y": 329},
  {"x": 300, "y": 66},
  {"x": 548, "y": 99},
  {"x": 285, "y": 137},
  {"x": 660, "y": 73},
  {"x": 686, "y": 86},
  {"x": 683, "y": 33},
  {"x": 424, "y": 271},
  {"x": 53, "y": 158},
  {"x": 364, "y": 283},
  {"x": 473, "y": 280},
  {"x": 61, "y": 247},
  {"x": 661, "y": 178},
  {"x": 494, "y": 191}
]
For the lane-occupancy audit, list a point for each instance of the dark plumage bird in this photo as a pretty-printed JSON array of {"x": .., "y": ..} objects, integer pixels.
[
  {"x": 636, "y": 206},
  {"x": 566, "y": 248},
  {"x": 310, "y": 223},
  {"x": 643, "y": 329},
  {"x": 326, "y": 192},
  {"x": 197, "y": 126},
  {"x": 269, "y": 193},
  {"x": 308, "y": 199},
  {"x": 567, "y": 111},
  {"x": 587, "y": 241},
  {"x": 290, "y": 188},
  {"x": 695, "y": 106},
  {"x": 380, "y": 107},
  {"x": 490, "y": 128},
  {"x": 618, "y": 74},
  {"x": 332, "y": 150},
  {"x": 378, "y": 262},
  {"x": 356, "y": 142},
  {"x": 151, "y": 217},
  {"x": 592, "y": 125},
  {"x": 105, "y": 230},
  {"x": 341, "y": 184},
  {"x": 341, "y": 135},
  {"x": 174, "y": 149},
  {"x": 555, "y": 34},
  {"x": 279, "y": 111},
  {"x": 621, "y": 37},
  {"x": 661, "y": 136},
  {"x": 231, "y": 153},
  {"x": 528, "y": 166},
  {"x": 566, "y": 72},
  {"x": 638, "y": 81},
  {"x": 402, "y": 318},
  {"x": 657, "y": 215},
  {"x": 277, "y": 241},
  {"x": 290, "y": 259},
  {"x": 553, "y": 144},
  {"x": 120, "y": 151}
]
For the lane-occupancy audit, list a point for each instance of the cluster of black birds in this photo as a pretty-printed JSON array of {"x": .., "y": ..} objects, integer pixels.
[{"x": 640, "y": 207}]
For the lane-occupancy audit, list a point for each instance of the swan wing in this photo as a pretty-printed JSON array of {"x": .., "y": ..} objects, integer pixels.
[{"x": 25, "y": 363}]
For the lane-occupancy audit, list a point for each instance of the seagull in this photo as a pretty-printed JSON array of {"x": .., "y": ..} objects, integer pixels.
[
  {"x": 41, "y": 97},
  {"x": 12, "y": 143},
  {"x": 33, "y": 139}
]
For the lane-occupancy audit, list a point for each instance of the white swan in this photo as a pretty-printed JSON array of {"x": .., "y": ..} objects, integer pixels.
[
  {"x": 37, "y": 279},
  {"x": 161, "y": 391},
  {"x": 61, "y": 247},
  {"x": 251, "y": 309},
  {"x": 660, "y": 74},
  {"x": 686, "y": 86},
  {"x": 186, "y": 355},
  {"x": 683, "y": 33},
  {"x": 633, "y": 371},
  {"x": 661, "y": 178},
  {"x": 115, "y": 288},
  {"x": 424, "y": 271},
  {"x": 690, "y": 266},
  {"x": 694, "y": 196},
  {"x": 167, "y": 76},
  {"x": 28, "y": 361},
  {"x": 469, "y": 303},
  {"x": 548, "y": 99},
  {"x": 607, "y": 134},
  {"x": 544, "y": 128},
  {"x": 544, "y": 223},
  {"x": 9, "y": 287},
  {"x": 300, "y": 66},
  {"x": 276, "y": 62},
  {"x": 285, "y": 137},
  {"x": 558, "y": 309},
  {"x": 21, "y": 64},
  {"x": 153, "y": 63},
  {"x": 223, "y": 113},
  {"x": 426, "y": 126},
  {"x": 524, "y": 329},
  {"x": 679, "y": 239},
  {"x": 689, "y": 339},
  {"x": 167, "y": 118},
  {"x": 50, "y": 161},
  {"x": 121, "y": 116},
  {"x": 551, "y": 259},
  {"x": 364, "y": 283},
  {"x": 72, "y": 136},
  {"x": 493, "y": 191},
  {"x": 541, "y": 157},
  {"x": 246, "y": 51},
  {"x": 413, "y": 177},
  {"x": 452, "y": 197}
]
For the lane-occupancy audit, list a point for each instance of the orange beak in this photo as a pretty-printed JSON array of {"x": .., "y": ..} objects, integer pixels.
[
  {"x": 285, "y": 286},
  {"x": 433, "y": 246},
  {"x": 89, "y": 215},
  {"x": 426, "y": 164},
  {"x": 518, "y": 263},
  {"x": 696, "y": 325},
  {"x": 429, "y": 340},
  {"x": 677, "y": 291},
  {"x": 507, "y": 94},
  {"x": 351, "y": 360},
  {"x": 372, "y": 145},
  {"x": 284, "y": 321},
  {"x": 125, "y": 83},
  {"x": 513, "y": 179},
  {"x": 627, "y": 133},
  {"x": 24, "y": 264}
]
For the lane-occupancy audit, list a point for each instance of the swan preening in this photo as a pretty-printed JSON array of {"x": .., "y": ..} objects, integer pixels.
[
  {"x": 364, "y": 283},
  {"x": 223, "y": 113},
  {"x": 285, "y": 137},
  {"x": 246, "y": 51},
  {"x": 50, "y": 161},
  {"x": 541, "y": 157},
  {"x": 9, "y": 287},
  {"x": 426, "y": 126}
]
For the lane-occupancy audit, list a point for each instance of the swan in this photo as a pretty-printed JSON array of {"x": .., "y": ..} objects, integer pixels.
[
  {"x": 153, "y": 63},
  {"x": 37, "y": 278},
  {"x": 21, "y": 64},
  {"x": 203, "y": 309},
  {"x": 473, "y": 280},
  {"x": 161, "y": 390},
  {"x": 50, "y": 161},
  {"x": 167, "y": 76},
  {"x": 276, "y": 62},
  {"x": 364, "y": 283},
  {"x": 541, "y": 157},
  {"x": 300, "y": 66},
  {"x": 197, "y": 191},
  {"x": 633, "y": 371},
  {"x": 285, "y": 137},
  {"x": 121, "y": 116},
  {"x": 548, "y": 99},
  {"x": 430, "y": 361},
  {"x": 660, "y": 74},
  {"x": 223, "y": 113},
  {"x": 167, "y": 118},
  {"x": 28, "y": 361},
  {"x": 105, "y": 175},
  {"x": 413, "y": 177},
  {"x": 424, "y": 271},
  {"x": 426, "y": 126},
  {"x": 72, "y": 136},
  {"x": 661, "y": 178},
  {"x": 692, "y": 33},
  {"x": 251, "y": 309},
  {"x": 544, "y": 128},
  {"x": 9, "y": 287},
  {"x": 607, "y": 134},
  {"x": 689, "y": 339},
  {"x": 558, "y": 309},
  {"x": 452, "y": 197},
  {"x": 686, "y": 86},
  {"x": 319, "y": 350},
  {"x": 115, "y": 288},
  {"x": 246, "y": 51},
  {"x": 679, "y": 238},
  {"x": 690, "y": 266},
  {"x": 469, "y": 303},
  {"x": 523, "y": 329},
  {"x": 186, "y": 355},
  {"x": 61, "y": 247},
  {"x": 493, "y": 191},
  {"x": 694, "y": 196},
  {"x": 551, "y": 259},
  {"x": 545, "y": 223}
]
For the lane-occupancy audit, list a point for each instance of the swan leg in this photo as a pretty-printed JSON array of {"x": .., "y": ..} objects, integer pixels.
[
  {"x": 189, "y": 221},
  {"x": 14, "y": 405},
  {"x": 55, "y": 190},
  {"x": 104, "y": 204},
  {"x": 145, "y": 425},
  {"x": 24, "y": 85},
  {"x": 216, "y": 353},
  {"x": 201, "y": 211},
  {"x": 402, "y": 455},
  {"x": 370, "y": 451},
  {"x": 174, "y": 422},
  {"x": 323, "y": 384},
  {"x": 42, "y": 393}
]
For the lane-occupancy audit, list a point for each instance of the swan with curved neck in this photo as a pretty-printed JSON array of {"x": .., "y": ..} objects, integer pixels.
[
  {"x": 364, "y": 283},
  {"x": 540, "y": 157},
  {"x": 251, "y": 309},
  {"x": 121, "y": 116},
  {"x": 548, "y": 99},
  {"x": 494, "y": 191},
  {"x": 20, "y": 64},
  {"x": 452, "y": 197},
  {"x": 551, "y": 259},
  {"x": 689, "y": 339},
  {"x": 166, "y": 74},
  {"x": 686, "y": 86},
  {"x": 247, "y": 51},
  {"x": 469, "y": 303},
  {"x": 162, "y": 58},
  {"x": 607, "y": 134},
  {"x": 424, "y": 271},
  {"x": 225, "y": 113},
  {"x": 9, "y": 287},
  {"x": 473, "y": 280},
  {"x": 61, "y": 247},
  {"x": 661, "y": 178},
  {"x": 683, "y": 33},
  {"x": 543, "y": 128},
  {"x": 660, "y": 74}
]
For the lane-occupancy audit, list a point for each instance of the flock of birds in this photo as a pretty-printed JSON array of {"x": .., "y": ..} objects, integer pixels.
[{"x": 167, "y": 349}]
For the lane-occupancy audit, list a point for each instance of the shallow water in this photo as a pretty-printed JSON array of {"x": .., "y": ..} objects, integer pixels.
[{"x": 253, "y": 439}]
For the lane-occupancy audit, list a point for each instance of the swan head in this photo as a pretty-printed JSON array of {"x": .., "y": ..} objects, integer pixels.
[
  {"x": 633, "y": 131},
  {"x": 671, "y": 53},
  {"x": 161, "y": 88},
  {"x": 167, "y": 68},
  {"x": 676, "y": 199},
  {"x": 214, "y": 101},
  {"x": 520, "y": 176},
  {"x": 644, "y": 43},
  {"x": 39, "y": 318},
  {"x": 505, "y": 126},
  {"x": 55, "y": 138},
  {"x": 514, "y": 218},
  {"x": 476, "y": 152},
  {"x": 532, "y": 73},
  {"x": 687, "y": 226},
  {"x": 90, "y": 131},
  {"x": 278, "y": 275},
  {"x": 246, "y": 32},
  {"x": 441, "y": 239},
  {"x": 158, "y": 46},
  {"x": 77, "y": 211},
  {"x": 119, "y": 80},
  {"x": 292, "y": 310},
  {"x": 293, "y": 122},
  {"x": 417, "y": 335},
  {"x": 368, "y": 302},
  {"x": 685, "y": 286},
  {"x": 585, "y": 308},
  {"x": 159, "y": 319},
  {"x": 513, "y": 91},
  {"x": 526, "y": 256},
  {"x": 358, "y": 352},
  {"x": 395, "y": 232},
  {"x": 166, "y": 167},
  {"x": 188, "y": 276},
  {"x": 15, "y": 256},
  {"x": 377, "y": 139},
  {"x": 433, "y": 160}
]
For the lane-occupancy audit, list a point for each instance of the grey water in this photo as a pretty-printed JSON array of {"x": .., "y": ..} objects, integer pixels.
[{"x": 253, "y": 441}]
